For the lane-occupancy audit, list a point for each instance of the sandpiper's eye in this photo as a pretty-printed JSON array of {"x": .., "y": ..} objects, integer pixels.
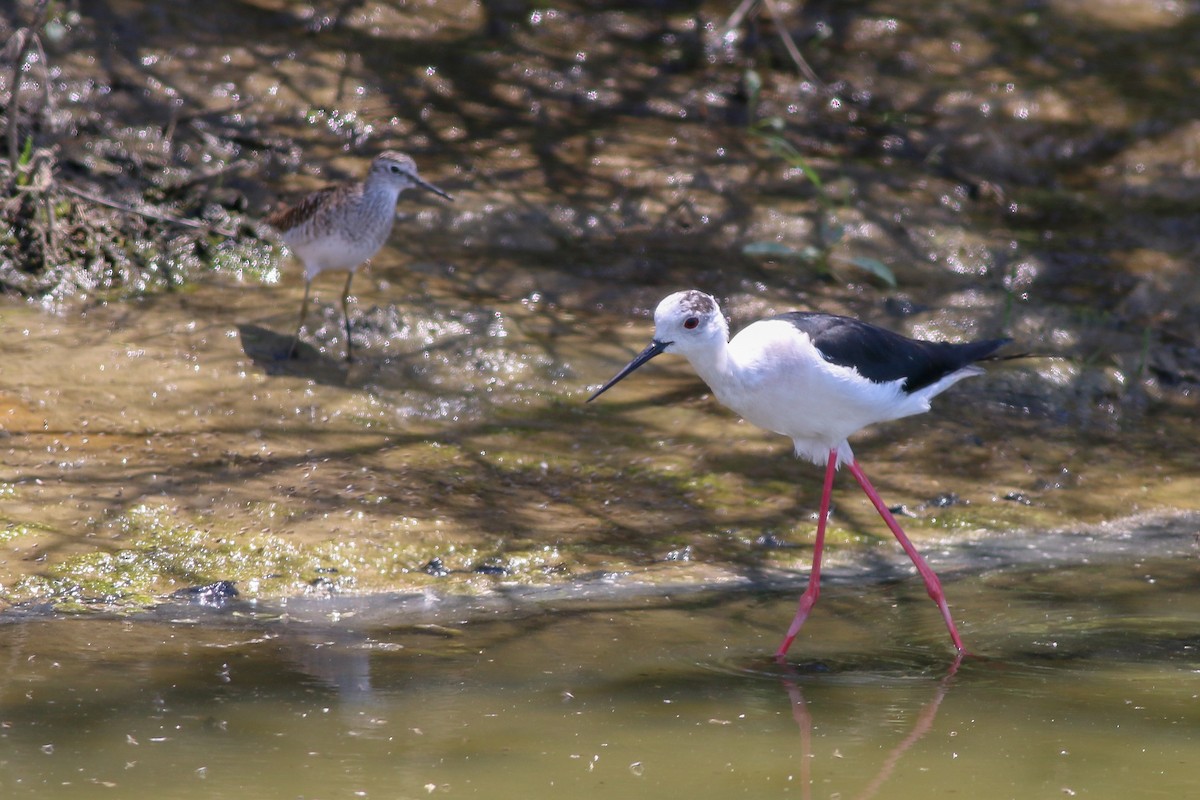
[
  {"x": 691, "y": 322},
  {"x": 395, "y": 169}
]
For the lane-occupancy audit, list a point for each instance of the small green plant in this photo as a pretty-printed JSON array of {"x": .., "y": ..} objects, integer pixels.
[
  {"x": 24, "y": 174},
  {"x": 830, "y": 231},
  {"x": 770, "y": 130}
]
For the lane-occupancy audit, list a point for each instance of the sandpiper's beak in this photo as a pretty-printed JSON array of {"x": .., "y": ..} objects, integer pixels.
[
  {"x": 424, "y": 184},
  {"x": 654, "y": 348}
]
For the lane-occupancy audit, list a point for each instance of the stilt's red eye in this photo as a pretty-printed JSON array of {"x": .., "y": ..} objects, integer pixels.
[{"x": 691, "y": 322}]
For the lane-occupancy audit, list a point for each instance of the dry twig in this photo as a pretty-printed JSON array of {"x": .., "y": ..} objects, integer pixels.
[
  {"x": 746, "y": 7},
  {"x": 148, "y": 213}
]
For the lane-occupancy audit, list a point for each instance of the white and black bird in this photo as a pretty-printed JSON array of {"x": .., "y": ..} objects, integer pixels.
[{"x": 817, "y": 378}]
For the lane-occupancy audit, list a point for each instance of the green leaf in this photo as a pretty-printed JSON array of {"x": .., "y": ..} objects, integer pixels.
[
  {"x": 23, "y": 160},
  {"x": 778, "y": 250},
  {"x": 875, "y": 267},
  {"x": 769, "y": 249}
]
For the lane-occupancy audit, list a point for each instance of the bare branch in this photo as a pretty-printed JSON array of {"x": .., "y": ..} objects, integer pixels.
[
  {"x": 746, "y": 7},
  {"x": 148, "y": 213},
  {"x": 790, "y": 44}
]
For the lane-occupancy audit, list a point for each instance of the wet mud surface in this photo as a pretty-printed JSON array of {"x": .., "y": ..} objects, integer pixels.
[{"x": 972, "y": 171}]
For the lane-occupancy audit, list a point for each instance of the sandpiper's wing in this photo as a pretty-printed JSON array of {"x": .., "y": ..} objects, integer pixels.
[{"x": 285, "y": 219}]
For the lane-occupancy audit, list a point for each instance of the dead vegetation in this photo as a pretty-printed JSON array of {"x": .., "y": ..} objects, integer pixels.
[{"x": 92, "y": 206}]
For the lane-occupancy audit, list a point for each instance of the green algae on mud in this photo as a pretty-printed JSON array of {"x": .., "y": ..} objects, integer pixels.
[{"x": 154, "y": 555}]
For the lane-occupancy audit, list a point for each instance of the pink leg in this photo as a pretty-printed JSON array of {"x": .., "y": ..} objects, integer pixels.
[
  {"x": 932, "y": 584},
  {"x": 809, "y": 598}
]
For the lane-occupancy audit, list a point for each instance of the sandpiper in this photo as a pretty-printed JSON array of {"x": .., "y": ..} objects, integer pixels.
[
  {"x": 817, "y": 378},
  {"x": 342, "y": 226}
]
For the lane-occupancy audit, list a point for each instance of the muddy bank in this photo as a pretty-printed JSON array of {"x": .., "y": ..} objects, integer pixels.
[{"x": 971, "y": 171}]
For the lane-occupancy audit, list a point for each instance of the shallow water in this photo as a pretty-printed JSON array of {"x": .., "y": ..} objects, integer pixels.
[
  {"x": 164, "y": 444},
  {"x": 1083, "y": 682}
]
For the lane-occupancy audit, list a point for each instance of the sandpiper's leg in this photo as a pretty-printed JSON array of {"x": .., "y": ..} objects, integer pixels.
[
  {"x": 932, "y": 584},
  {"x": 809, "y": 598},
  {"x": 346, "y": 311},
  {"x": 303, "y": 312}
]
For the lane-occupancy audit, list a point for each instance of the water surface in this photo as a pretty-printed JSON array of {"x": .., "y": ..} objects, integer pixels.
[{"x": 1072, "y": 691}]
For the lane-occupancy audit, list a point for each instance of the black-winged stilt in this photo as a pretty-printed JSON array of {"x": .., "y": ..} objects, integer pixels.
[{"x": 817, "y": 378}]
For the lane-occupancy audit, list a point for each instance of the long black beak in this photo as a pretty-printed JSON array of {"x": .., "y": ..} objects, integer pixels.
[
  {"x": 424, "y": 184},
  {"x": 652, "y": 349}
]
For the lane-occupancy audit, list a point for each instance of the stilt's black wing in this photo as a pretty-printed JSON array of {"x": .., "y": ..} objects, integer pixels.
[{"x": 880, "y": 355}]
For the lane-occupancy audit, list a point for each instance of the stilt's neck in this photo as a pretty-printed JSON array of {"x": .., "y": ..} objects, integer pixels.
[{"x": 713, "y": 364}]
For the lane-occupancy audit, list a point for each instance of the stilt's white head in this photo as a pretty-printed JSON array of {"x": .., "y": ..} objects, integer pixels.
[{"x": 688, "y": 323}]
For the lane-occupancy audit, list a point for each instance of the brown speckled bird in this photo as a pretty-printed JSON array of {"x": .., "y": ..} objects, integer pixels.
[{"x": 342, "y": 226}]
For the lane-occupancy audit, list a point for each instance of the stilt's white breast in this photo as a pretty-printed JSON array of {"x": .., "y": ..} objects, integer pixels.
[{"x": 779, "y": 381}]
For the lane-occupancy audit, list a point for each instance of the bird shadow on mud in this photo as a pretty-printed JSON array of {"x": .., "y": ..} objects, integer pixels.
[{"x": 271, "y": 352}]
